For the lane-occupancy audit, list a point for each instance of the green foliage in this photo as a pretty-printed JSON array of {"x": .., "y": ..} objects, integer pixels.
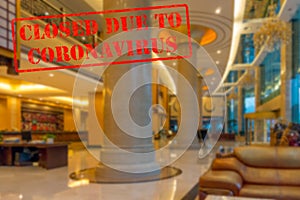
[{"x": 49, "y": 135}]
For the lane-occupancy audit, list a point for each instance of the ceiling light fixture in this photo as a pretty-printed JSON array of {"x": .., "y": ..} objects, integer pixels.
[
  {"x": 219, "y": 52},
  {"x": 174, "y": 64},
  {"x": 273, "y": 32},
  {"x": 218, "y": 10},
  {"x": 232, "y": 95},
  {"x": 217, "y": 62},
  {"x": 32, "y": 87},
  {"x": 5, "y": 86},
  {"x": 51, "y": 75}
]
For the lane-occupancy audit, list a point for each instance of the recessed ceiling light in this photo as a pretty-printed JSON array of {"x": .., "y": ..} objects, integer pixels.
[
  {"x": 219, "y": 52},
  {"x": 217, "y": 62},
  {"x": 168, "y": 54},
  {"x": 19, "y": 95},
  {"x": 51, "y": 75},
  {"x": 174, "y": 64},
  {"x": 41, "y": 99},
  {"x": 218, "y": 10}
]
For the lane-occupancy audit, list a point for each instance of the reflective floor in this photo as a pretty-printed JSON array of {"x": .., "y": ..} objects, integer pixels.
[{"x": 35, "y": 183}]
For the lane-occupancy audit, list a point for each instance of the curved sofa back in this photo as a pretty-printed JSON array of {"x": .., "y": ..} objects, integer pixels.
[
  {"x": 264, "y": 165},
  {"x": 270, "y": 157}
]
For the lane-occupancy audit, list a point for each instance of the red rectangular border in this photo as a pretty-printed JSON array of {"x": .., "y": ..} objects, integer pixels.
[{"x": 94, "y": 13}]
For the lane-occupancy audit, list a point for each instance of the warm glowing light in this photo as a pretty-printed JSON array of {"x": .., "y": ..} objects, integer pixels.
[
  {"x": 70, "y": 100},
  {"x": 209, "y": 72},
  {"x": 5, "y": 86},
  {"x": 173, "y": 155},
  {"x": 218, "y": 10},
  {"x": 217, "y": 62},
  {"x": 205, "y": 88},
  {"x": 51, "y": 75},
  {"x": 80, "y": 102},
  {"x": 209, "y": 36},
  {"x": 78, "y": 183},
  {"x": 219, "y": 52},
  {"x": 32, "y": 87}
]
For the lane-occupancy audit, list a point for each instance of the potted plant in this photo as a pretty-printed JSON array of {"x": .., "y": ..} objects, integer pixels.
[{"x": 49, "y": 138}]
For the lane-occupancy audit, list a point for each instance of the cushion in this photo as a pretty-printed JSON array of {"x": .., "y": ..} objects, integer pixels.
[
  {"x": 257, "y": 175},
  {"x": 269, "y": 157},
  {"x": 228, "y": 180},
  {"x": 268, "y": 191}
]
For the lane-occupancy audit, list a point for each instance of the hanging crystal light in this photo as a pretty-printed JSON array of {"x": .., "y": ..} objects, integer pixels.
[
  {"x": 232, "y": 95},
  {"x": 248, "y": 80},
  {"x": 273, "y": 32}
]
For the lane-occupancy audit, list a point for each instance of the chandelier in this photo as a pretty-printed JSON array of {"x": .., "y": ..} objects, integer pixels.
[
  {"x": 248, "y": 80},
  {"x": 273, "y": 32},
  {"x": 232, "y": 95}
]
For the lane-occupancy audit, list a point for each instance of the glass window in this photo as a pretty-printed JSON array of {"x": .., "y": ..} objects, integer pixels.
[
  {"x": 3, "y": 13},
  {"x": 246, "y": 51},
  {"x": 295, "y": 81},
  {"x": 3, "y": 22},
  {"x": 232, "y": 77},
  {"x": 248, "y": 48},
  {"x": 5, "y": 18},
  {"x": 259, "y": 8},
  {"x": 3, "y": 42},
  {"x": 12, "y": 1},
  {"x": 248, "y": 104},
  {"x": 270, "y": 76},
  {"x": 2, "y": 32},
  {"x": 232, "y": 114},
  {"x": 11, "y": 8}
]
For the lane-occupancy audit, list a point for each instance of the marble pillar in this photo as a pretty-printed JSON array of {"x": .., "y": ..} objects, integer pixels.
[
  {"x": 188, "y": 71},
  {"x": 122, "y": 150}
]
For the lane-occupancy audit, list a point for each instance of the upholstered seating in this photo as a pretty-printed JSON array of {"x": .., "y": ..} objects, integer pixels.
[{"x": 255, "y": 171}]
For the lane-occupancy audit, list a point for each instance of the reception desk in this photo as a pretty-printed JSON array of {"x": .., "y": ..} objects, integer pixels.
[
  {"x": 49, "y": 155},
  {"x": 60, "y": 136}
]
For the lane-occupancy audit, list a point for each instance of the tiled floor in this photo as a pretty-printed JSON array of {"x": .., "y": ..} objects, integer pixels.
[{"x": 35, "y": 183}]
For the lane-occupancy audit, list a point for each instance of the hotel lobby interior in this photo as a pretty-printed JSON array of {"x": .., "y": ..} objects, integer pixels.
[{"x": 131, "y": 99}]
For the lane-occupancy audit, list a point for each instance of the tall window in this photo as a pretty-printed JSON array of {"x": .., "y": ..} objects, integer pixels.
[
  {"x": 232, "y": 102},
  {"x": 246, "y": 51},
  {"x": 248, "y": 103},
  {"x": 248, "y": 48},
  {"x": 295, "y": 82},
  {"x": 270, "y": 76},
  {"x": 7, "y": 13}
]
